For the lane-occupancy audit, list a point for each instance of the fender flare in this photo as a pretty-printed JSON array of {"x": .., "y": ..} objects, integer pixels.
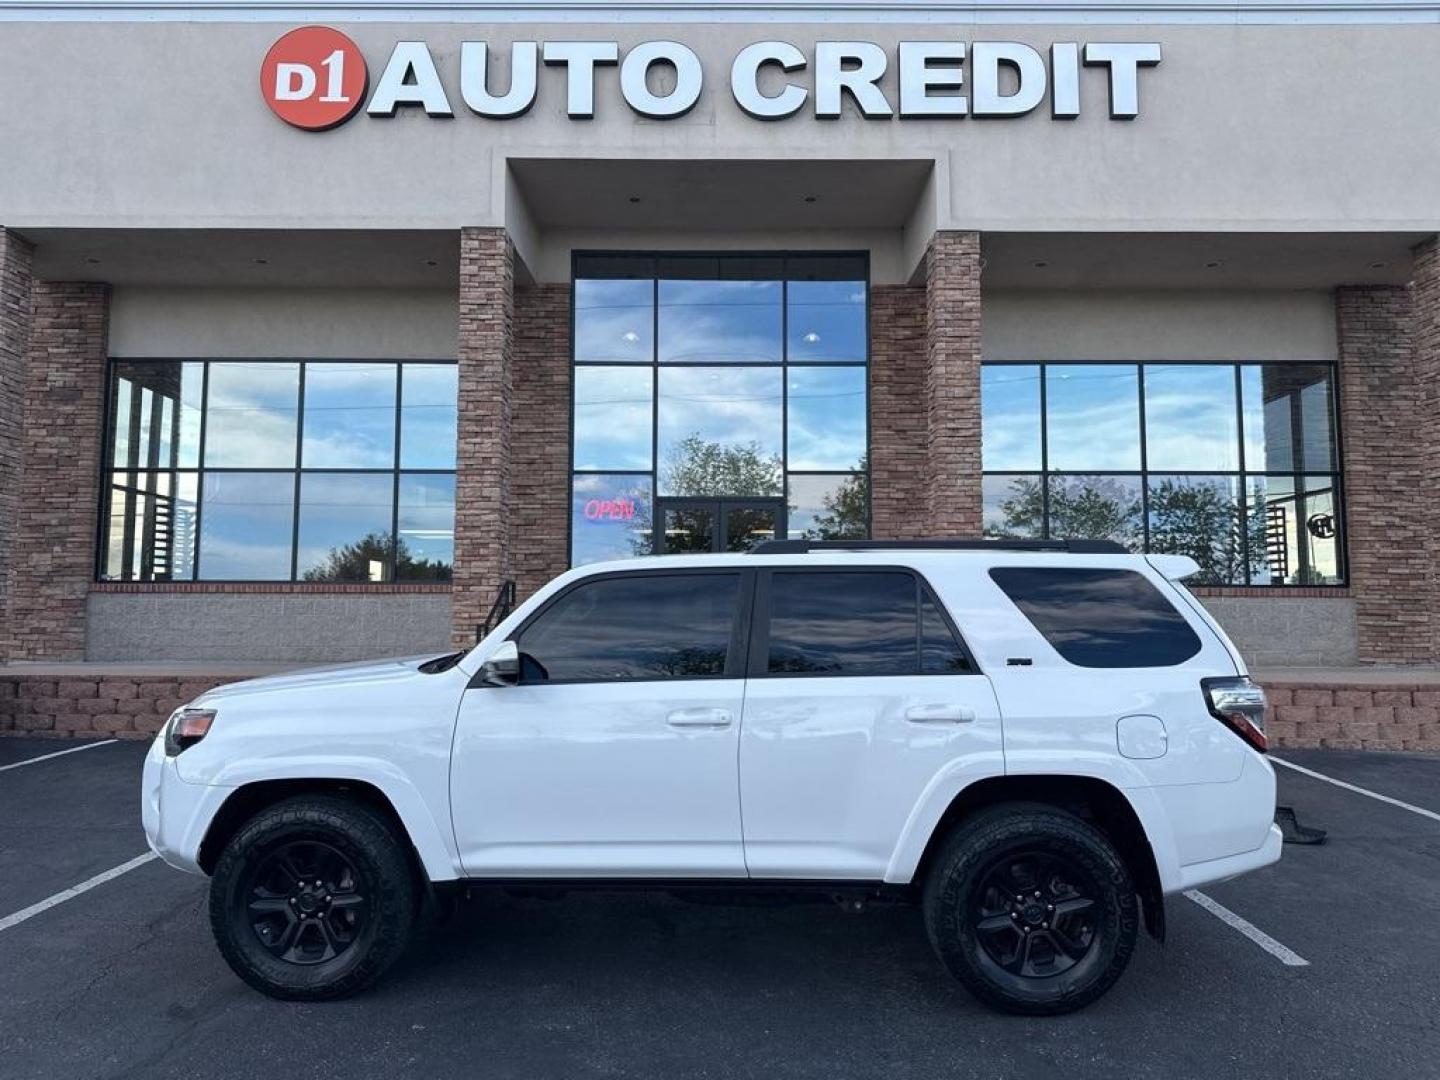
[
  {"x": 950, "y": 784},
  {"x": 433, "y": 842}
]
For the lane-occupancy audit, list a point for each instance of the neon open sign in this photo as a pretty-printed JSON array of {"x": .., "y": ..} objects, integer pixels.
[{"x": 621, "y": 509}]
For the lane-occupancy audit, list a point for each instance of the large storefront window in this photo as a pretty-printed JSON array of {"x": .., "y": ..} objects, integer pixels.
[
  {"x": 719, "y": 401},
  {"x": 1234, "y": 465},
  {"x": 276, "y": 470}
]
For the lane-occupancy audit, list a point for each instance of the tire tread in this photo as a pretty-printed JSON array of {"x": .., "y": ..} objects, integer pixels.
[
  {"x": 960, "y": 857},
  {"x": 361, "y": 827}
]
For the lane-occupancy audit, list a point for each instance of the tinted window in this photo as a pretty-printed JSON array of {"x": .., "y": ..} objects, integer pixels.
[
  {"x": 843, "y": 623},
  {"x": 650, "y": 626},
  {"x": 1100, "y": 618},
  {"x": 940, "y": 653}
]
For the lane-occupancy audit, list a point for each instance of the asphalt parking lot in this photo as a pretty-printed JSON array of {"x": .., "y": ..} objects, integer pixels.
[{"x": 122, "y": 980}]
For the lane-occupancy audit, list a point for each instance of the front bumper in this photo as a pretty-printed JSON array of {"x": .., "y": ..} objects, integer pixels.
[{"x": 176, "y": 814}]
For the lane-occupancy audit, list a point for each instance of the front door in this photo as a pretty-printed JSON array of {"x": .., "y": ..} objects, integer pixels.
[
  {"x": 616, "y": 752},
  {"x": 688, "y": 526}
]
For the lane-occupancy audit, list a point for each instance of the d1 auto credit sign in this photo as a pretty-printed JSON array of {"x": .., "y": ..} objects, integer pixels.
[{"x": 314, "y": 78}]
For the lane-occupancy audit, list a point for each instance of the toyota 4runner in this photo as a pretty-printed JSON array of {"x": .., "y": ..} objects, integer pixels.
[{"x": 1037, "y": 742}]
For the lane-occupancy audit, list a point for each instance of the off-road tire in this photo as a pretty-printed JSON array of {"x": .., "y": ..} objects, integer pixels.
[
  {"x": 371, "y": 844},
  {"x": 954, "y": 885}
]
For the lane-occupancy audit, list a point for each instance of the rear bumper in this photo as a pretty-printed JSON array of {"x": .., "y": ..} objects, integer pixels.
[
  {"x": 176, "y": 814},
  {"x": 1208, "y": 832},
  {"x": 1222, "y": 869}
]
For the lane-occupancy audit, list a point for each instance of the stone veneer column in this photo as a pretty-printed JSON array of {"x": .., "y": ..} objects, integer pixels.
[
  {"x": 15, "y": 288},
  {"x": 1384, "y": 474},
  {"x": 1426, "y": 298},
  {"x": 952, "y": 385},
  {"x": 53, "y": 554},
  {"x": 897, "y": 415},
  {"x": 540, "y": 454},
  {"x": 483, "y": 462}
]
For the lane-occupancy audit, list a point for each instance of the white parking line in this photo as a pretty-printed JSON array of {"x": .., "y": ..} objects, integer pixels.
[
  {"x": 1431, "y": 814},
  {"x": 58, "y": 753},
  {"x": 1284, "y": 954},
  {"x": 75, "y": 890}
]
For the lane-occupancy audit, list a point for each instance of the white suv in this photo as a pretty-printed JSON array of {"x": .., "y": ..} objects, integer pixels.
[{"x": 1034, "y": 740}]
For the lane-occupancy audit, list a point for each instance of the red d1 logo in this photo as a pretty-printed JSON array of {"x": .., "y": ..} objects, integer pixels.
[{"x": 314, "y": 78}]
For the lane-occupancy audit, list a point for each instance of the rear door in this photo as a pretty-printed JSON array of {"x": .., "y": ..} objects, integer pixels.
[{"x": 860, "y": 693}]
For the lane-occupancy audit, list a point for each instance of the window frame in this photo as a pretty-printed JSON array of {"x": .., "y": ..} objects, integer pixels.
[
  {"x": 651, "y": 258},
  {"x": 297, "y": 470},
  {"x": 740, "y": 622},
  {"x": 758, "y": 665},
  {"x": 1299, "y": 477}
]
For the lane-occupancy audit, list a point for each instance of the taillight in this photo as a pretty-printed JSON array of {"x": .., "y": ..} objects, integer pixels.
[
  {"x": 1240, "y": 705},
  {"x": 187, "y": 727}
]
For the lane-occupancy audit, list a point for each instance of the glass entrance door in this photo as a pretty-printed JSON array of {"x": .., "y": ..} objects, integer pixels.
[{"x": 687, "y": 526}]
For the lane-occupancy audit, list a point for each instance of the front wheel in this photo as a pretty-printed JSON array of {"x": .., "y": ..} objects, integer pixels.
[
  {"x": 313, "y": 898},
  {"x": 1032, "y": 909}
]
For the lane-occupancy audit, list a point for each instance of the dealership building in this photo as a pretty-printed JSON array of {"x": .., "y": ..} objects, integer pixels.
[{"x": 325, "y": 328}]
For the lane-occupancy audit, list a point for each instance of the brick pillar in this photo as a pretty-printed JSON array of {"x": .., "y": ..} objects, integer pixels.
[
  {"x": 897, "y": 414},
  {"x": 1426, "y": 298},
  {"x": 15, "y": 288},
  {"x": 53, "y": 555},
  {"x": 1384, "y": 474},
  {"x": 540, "y": 455},
  {"x": 952, "y": 502},
  {"x": 483, "y": 463}
]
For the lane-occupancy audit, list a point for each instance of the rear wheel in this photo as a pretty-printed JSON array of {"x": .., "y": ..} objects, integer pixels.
[
  {"x": 313, "y": 898},
  {"x": 1032, "y": 909}
]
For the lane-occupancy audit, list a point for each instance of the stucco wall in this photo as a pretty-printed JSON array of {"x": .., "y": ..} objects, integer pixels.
[
  {"x": 264, "y": 626},
  {"x": 1241, "y": 127},
  {"x": 1289, "y": 631},
  {"x": 1161, "y": 325},
  {"x": 358, "y": 324}
]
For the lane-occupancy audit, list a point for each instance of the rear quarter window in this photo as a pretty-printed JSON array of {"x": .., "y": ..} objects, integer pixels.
[{"x": 1100, "y": 618}]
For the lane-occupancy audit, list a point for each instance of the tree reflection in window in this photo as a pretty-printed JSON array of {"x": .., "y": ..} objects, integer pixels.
[{"x": 1235, "y": 466}]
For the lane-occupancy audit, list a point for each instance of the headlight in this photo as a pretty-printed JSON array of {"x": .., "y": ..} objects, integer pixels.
[{"x": 186, "y": 727}]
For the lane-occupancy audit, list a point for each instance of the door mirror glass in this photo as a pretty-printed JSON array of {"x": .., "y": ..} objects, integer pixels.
[{"x": 502, "y": 667}]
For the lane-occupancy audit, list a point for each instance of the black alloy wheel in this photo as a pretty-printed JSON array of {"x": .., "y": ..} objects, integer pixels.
[
  {"x": 306, "y": 902},
  {"x": 314, "y": 897},
  {"x": 1032, "y": 908},
  {"x": 1035, "y": 914}
]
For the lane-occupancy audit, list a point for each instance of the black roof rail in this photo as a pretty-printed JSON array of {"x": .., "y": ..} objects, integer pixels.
[{"x": 1071, "y": 547}]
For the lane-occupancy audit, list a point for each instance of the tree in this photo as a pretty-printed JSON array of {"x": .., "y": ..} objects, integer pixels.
[
  {"x": 846, "y": 515},
  {"x": 353, "y": 562},
  {"x": 1095, "y": 507},
  {"x": 700, "y": 468},
  {"x": 1203, "y": 521}
]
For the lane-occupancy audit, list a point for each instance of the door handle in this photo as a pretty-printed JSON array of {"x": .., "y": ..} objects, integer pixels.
[
  {"x": 699, "y": 718},
  {"x": 939, "y": 714}
]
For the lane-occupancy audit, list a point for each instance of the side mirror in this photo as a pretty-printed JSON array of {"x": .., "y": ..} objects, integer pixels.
[{"x": 502, "y": 667}]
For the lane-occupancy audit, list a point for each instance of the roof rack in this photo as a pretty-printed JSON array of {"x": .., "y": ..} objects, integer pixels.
[{"x": 1072, "y": 547}]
